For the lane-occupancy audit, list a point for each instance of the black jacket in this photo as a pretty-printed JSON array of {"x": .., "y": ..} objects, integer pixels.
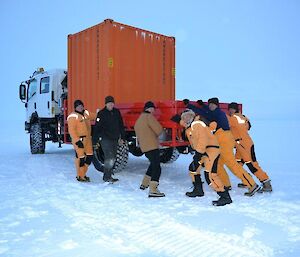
[
  {"x": 109, "y": 125},
  {"x": 217, "y": 115}
]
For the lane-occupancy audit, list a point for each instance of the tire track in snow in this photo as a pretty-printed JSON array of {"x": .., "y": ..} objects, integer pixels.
[
  {"x": 164, "y": 236},
  {"x": 175, "y": 239}
]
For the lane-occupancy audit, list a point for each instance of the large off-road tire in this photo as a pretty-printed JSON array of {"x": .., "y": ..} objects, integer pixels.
[
  {"x": 37, "y": 139},
  {"x": 169, "y": 155},
  {"x": 98, "y": 159},
  {"x": 121, "y": 158}
]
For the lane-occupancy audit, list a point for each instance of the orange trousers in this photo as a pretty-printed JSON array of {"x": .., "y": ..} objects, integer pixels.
[
  {"x": 210, "y": 169},
  {"x": 227, "y": 158},
  {"x": 211, "y": 166},
  {"x": 245, "y": 153},
  {"x": 83, "y": 153}
]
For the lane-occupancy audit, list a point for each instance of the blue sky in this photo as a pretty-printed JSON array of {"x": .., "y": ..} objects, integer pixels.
[{"x": 245, "y": 51}]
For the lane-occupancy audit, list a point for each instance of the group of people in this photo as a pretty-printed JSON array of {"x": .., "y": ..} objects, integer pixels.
[{"x": 213, "y": 135}]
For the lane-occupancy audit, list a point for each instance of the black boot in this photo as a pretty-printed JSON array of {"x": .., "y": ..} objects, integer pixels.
[
  {"x": 198, "y": 188},
  {"x": 197, "y": 191},
  {"x": 223, "y": 200},
  {"x": 80, "y": 179}
]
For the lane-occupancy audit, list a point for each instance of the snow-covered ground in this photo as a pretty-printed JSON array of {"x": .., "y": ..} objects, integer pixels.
[{"x": 44, "y": 211}]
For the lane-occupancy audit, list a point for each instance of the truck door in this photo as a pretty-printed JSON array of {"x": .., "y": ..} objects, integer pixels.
[
  {"x": 31, "y": 99},
  {"x": 44, "y": 103}
]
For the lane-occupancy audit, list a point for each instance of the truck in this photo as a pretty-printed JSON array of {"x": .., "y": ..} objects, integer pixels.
[{"x": 110, "y": 58}]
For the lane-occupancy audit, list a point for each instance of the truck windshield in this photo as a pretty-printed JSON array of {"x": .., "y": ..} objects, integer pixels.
[{"x": 32, "y": 88}]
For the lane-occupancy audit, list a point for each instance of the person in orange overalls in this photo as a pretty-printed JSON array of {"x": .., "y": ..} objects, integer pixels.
[
  {"x": 207, "y": 153},
  {"x": 79, "y": 124},
  {"x": 245, "y": 153},
  {"x": 212, "y": 112}
]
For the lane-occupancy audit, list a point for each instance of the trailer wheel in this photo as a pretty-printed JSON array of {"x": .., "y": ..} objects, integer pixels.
[
  {"x": 121, "y": 159},
  {"x": 37, "y": 139},
  {"x": 169, "y": 155}
]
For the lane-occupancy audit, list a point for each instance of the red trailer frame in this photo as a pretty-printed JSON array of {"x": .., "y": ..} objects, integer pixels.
[{"x": 163, "y": 113}]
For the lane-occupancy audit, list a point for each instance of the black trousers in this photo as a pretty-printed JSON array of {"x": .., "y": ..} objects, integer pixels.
[
  {"x": 109, "y": 148},
  {"x": 154, "y": 169}
]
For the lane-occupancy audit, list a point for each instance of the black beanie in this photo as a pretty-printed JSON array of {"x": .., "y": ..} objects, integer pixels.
[
  {"x": 149, "y": 104},
  {"x": 77, "y": 103},
  {"x": 214, "y": 100},
  {"x": 109, "y": 99},
  {"x": 233, "y": 105}
]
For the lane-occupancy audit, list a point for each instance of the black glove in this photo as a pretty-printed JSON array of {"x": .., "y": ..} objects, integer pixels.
[
  {"x": 79, "y": 144},
  {"x": 176, "y": 118},
  {"x": 186, "y": 101},
  {"x": 200, "y": 102}
]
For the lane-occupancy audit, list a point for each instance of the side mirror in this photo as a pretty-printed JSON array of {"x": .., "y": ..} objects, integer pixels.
[
  {"x": 52, "y": 96},
  {"x": 22, "y": 92}
]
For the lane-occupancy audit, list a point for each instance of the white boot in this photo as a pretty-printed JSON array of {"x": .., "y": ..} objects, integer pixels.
[
  {"x": 145, "y": 182},
  {"x": 153, "y": 191}
]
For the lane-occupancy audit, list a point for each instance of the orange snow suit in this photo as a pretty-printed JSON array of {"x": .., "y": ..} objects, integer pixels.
[
  {"x": 239, "y": 125},
  {"x": 227, "y": 143},
  {"x": 204, "y": 142},
  {"x": 80, "y": 130}
]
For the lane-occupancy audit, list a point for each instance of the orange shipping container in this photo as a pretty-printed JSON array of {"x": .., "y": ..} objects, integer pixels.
[{"x": 131, "y": 64}]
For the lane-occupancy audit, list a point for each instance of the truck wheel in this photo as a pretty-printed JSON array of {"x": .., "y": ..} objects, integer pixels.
[
  {"x": 37, "y": 139},
  {"x": 121, "y": 159},
  {"x": 169, "y": 155},
  {"x": 98, "y": 159}
]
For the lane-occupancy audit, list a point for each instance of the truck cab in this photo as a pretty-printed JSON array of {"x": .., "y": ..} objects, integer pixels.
[{"x": 43, "y": 94}]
